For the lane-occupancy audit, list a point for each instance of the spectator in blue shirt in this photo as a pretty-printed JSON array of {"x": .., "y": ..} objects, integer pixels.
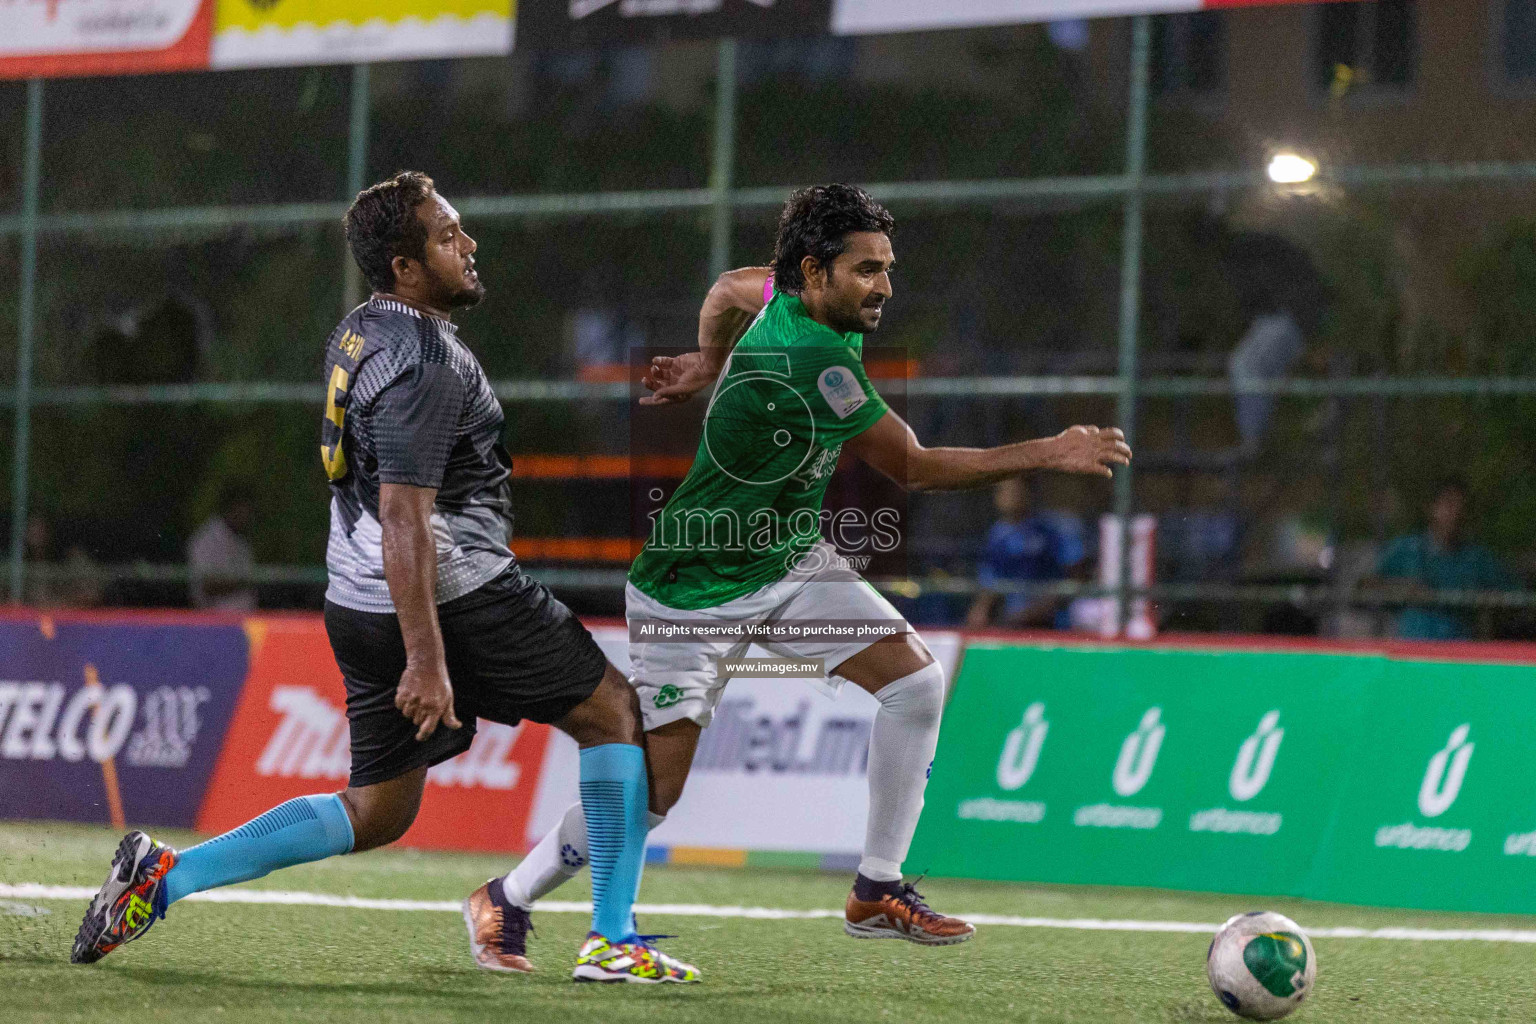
[
  {"x": 1440, "y": 558},
  {"x": 1024, "y": 548}
]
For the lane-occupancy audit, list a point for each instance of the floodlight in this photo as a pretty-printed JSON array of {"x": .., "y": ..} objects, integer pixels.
[{"x": 1287, "y": 168}]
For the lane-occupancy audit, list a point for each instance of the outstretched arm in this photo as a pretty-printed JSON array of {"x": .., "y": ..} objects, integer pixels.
[
  {"x": 734, "y": 299},
  {"x": 892, "y": 448}
]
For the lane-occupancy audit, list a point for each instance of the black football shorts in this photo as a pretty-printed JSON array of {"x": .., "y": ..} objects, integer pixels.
[{"x": 514, "y": 651}]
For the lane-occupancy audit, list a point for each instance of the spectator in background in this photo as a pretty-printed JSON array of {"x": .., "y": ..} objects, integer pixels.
[
  {"x": 220, "y": 559},
  {"x": 1023, "y": 548},
  {"x": 84, "y": 584},
  {"x": 40, "y": 588},
  {"x": 1282, "y": 297},
  {"x": 70, "y": 580},
  {"x": 1265, "y": 353},
  {"x": 1440, "y": 558}
]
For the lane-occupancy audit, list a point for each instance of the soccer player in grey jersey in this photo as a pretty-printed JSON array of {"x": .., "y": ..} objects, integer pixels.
[{"x": 432, "y": 622}]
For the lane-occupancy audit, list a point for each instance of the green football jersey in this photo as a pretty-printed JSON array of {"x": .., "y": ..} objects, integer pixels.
[{"x": 791, "y": 393}]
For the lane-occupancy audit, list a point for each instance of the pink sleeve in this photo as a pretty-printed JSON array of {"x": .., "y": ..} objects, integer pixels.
[{"x": 768, "y": 290}]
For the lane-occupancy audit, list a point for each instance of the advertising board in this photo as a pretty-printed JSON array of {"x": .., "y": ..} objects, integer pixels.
[
  {"x": 58, "y": 38},
  {"x": 781, "y": 768},
  {"x": 113, "y": 721},
  {"x": 289, "y": 737},
  {"x": 64, "y": 38},
  {"x": 1368, "y": 778},
  {"x": 863, "y": 17},
  {"x": 264, "y": 33},
  {"x": 1391, "y": 776}
]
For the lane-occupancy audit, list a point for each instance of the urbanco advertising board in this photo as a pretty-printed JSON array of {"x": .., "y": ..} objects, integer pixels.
[{"x": 1368, "y": 778}]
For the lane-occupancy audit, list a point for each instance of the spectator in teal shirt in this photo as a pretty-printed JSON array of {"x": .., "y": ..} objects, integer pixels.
[{"x": 1440, "y": 558}]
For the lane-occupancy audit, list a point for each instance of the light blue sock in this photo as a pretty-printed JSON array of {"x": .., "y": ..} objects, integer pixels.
[
  {"x": 614, "y": 800},
  {"x": 302, "y": 830}
]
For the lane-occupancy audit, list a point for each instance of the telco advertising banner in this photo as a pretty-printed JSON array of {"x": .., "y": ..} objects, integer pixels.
[
  {"x": 1357, "y": 778},
  {"x": 114, "y": 721}
]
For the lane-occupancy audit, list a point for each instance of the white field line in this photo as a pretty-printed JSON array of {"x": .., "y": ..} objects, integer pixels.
[{"x": 34, "y": 891}]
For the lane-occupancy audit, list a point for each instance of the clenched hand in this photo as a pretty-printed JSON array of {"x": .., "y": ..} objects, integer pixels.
[
  {"x": 1094, "y": 451},
  {"x": 426, "y": 697}
]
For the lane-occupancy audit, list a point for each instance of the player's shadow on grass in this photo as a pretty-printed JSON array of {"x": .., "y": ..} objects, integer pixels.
[
  {"x": 436, "y": 985},
  {"x": 39, "y": 959}
]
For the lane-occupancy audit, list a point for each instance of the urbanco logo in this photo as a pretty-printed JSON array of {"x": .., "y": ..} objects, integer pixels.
[
  {"x": 1138, "y": 754},
  {"x": 1445, "y": 774},
  {"x": 1021, "y": 752},
  {"x": 1256, "y": 759}
]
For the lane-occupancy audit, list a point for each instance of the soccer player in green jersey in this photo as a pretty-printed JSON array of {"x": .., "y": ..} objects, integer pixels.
[{"x": 739, "y": 543}]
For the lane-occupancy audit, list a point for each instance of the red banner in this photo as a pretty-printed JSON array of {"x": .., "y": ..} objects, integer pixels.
[
  {"x": 289, "y": 737},
  {"x": 63, "y": 38}
]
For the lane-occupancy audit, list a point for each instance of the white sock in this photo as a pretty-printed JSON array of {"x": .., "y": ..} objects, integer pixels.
[
  {"x": 901, "y": 746},
  {"x": 558, "y": 856}
]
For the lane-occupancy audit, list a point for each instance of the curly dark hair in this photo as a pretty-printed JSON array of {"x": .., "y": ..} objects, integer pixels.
[
  {"x": 381, "y": 224},
  {"x": 815, "y": 223}
]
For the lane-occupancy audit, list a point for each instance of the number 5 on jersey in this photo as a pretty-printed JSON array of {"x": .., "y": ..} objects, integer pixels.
[{"x": 331, "y": 430}]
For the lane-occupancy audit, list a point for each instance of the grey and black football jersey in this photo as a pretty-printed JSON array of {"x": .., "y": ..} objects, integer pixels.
[{"x": 408, "y": 403}]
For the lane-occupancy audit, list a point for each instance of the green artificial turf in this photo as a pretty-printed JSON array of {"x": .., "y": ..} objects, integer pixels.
[{"x": 225, "y": 963}]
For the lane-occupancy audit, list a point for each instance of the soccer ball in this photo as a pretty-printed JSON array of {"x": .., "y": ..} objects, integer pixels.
[{"x": 1261, "y": 965}]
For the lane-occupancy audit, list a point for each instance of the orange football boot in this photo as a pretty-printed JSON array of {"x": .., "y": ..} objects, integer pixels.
[
  {"x": 498, "y": 930},
  {"x": 903, "y": 915}
]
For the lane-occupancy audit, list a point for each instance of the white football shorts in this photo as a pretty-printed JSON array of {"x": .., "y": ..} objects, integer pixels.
[{"x": 682, "y": 678}]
